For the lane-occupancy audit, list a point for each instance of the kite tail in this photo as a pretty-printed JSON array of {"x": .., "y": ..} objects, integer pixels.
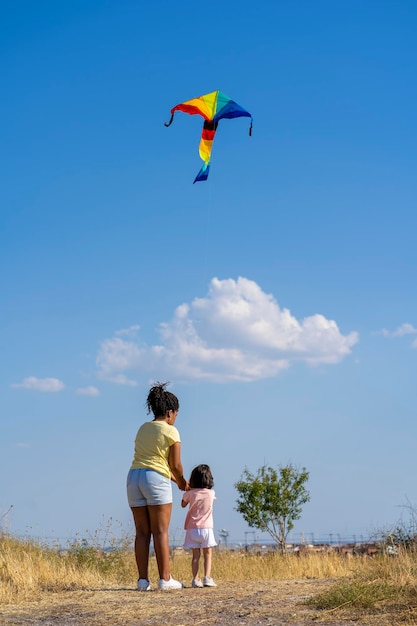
[
  {"x": 206, "y": 144},
  {"x": 170, "y": 121},
  {"x": 250, "y": 127},
  {"x": 203, "y": 173}
]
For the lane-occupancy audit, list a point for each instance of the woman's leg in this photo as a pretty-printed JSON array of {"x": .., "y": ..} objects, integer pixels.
[
  {"x": 142, "y": 539},
  {"x": 195, "y": 562},
  {"x": 207, "y": 552},
  {"x": 159, "y": 518}
]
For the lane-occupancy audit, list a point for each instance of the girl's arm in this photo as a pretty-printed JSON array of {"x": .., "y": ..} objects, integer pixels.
[
  {"x": 186, "y": 497},
  {"x": 174, "y": 461}
]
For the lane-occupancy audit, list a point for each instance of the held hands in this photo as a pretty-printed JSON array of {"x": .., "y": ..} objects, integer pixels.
[{"x": 183, "y": 485}]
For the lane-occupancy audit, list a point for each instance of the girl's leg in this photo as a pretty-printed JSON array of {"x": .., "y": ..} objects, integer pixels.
[
  {"x": 142, "y": 539},
  {"x": 159, "y": 518},
  {"x": 207, "y": 552},
  {"x": 195, "y": 562}
]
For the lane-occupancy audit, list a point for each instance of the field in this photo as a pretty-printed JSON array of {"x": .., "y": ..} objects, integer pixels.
[{"x": 83, "y": 586}]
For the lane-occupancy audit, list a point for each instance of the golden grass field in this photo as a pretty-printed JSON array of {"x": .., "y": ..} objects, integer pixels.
[{"x": 40, "y": 586}]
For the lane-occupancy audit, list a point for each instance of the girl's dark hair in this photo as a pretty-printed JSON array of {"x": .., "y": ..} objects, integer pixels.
[
  {"x": 160, "y": 401},
  {"x": 201, "y": 477}
]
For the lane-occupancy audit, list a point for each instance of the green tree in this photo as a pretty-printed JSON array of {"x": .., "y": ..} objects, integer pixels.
[{"x": 271, "y": 501}]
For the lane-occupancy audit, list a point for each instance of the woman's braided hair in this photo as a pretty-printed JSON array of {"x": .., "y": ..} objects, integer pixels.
[{"x": 160, "y": 401}]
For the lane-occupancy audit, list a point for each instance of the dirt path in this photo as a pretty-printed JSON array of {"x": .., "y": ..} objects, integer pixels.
[{"x": 249, "y": 604}]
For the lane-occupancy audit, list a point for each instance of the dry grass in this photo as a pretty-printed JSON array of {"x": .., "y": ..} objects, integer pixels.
[
  {"x": 241, "y": 567},
  {"x": 381, "y": 588},
  {"x": 383, "y": 584},
  {"x": 31, "y": 566},
  {"x": 27, "y": 569}
]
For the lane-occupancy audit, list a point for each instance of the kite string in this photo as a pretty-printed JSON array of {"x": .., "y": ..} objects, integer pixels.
[{"x": 206, "y": 277}]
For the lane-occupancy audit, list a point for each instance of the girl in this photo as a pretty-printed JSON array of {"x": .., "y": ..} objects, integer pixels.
[
  {"x": 156, "y": 462},
  {"x": 199, "y": 523}
]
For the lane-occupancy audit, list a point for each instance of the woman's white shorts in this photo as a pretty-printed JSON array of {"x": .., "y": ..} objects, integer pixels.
[
  {"x": 147, "y": 487},
  {"x": 199, "y": 538}
]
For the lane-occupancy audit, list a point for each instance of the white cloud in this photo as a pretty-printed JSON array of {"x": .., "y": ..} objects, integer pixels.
[
  {"x": 401, "y": 331},
  {"x": 414, "y": 344},
  {"x": 237, "y": 332},
  {"x": 132, "y": 331},
  {"x": 88, "y": 391},
  {"x": 45, "y": 385},
  {"x": 115, "y": 357}
]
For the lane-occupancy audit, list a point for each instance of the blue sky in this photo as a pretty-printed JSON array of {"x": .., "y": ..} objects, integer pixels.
[{"x": 278, "y": 297}]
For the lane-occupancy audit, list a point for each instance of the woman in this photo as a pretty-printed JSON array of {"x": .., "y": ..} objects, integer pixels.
[{"x": 156, "y": 462}]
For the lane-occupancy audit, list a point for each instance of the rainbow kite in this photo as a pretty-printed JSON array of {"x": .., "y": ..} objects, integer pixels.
[{"x": 213, "y": 107}]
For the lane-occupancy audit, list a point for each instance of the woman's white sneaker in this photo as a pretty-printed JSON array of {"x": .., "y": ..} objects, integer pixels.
[
  {"x": 208, "y": 582},
  {"x": 167, "y": 585},
  {"x": 196, "y": 582}
]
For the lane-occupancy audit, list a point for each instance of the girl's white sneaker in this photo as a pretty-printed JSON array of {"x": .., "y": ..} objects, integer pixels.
[
  {"x": 196, "y": 582},
  {"x": 208, "y": 582}
]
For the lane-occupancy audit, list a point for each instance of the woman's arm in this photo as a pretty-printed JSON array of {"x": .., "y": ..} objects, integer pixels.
[{"x": 174, "y": 461}]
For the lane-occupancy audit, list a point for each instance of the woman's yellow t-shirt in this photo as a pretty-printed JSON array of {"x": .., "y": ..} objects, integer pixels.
[{"x": 152, "y": 444}]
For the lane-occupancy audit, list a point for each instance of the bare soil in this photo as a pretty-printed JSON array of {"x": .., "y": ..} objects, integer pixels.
[{"x": 231, "y": 604}]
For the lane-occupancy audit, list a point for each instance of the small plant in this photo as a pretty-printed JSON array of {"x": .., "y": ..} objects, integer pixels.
[
  {"x": 404, "y": 533},
  {"x": 356, "y": 593},
  {"x": 103, "y": 550},
  {"x": 4, "y": 516}
]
